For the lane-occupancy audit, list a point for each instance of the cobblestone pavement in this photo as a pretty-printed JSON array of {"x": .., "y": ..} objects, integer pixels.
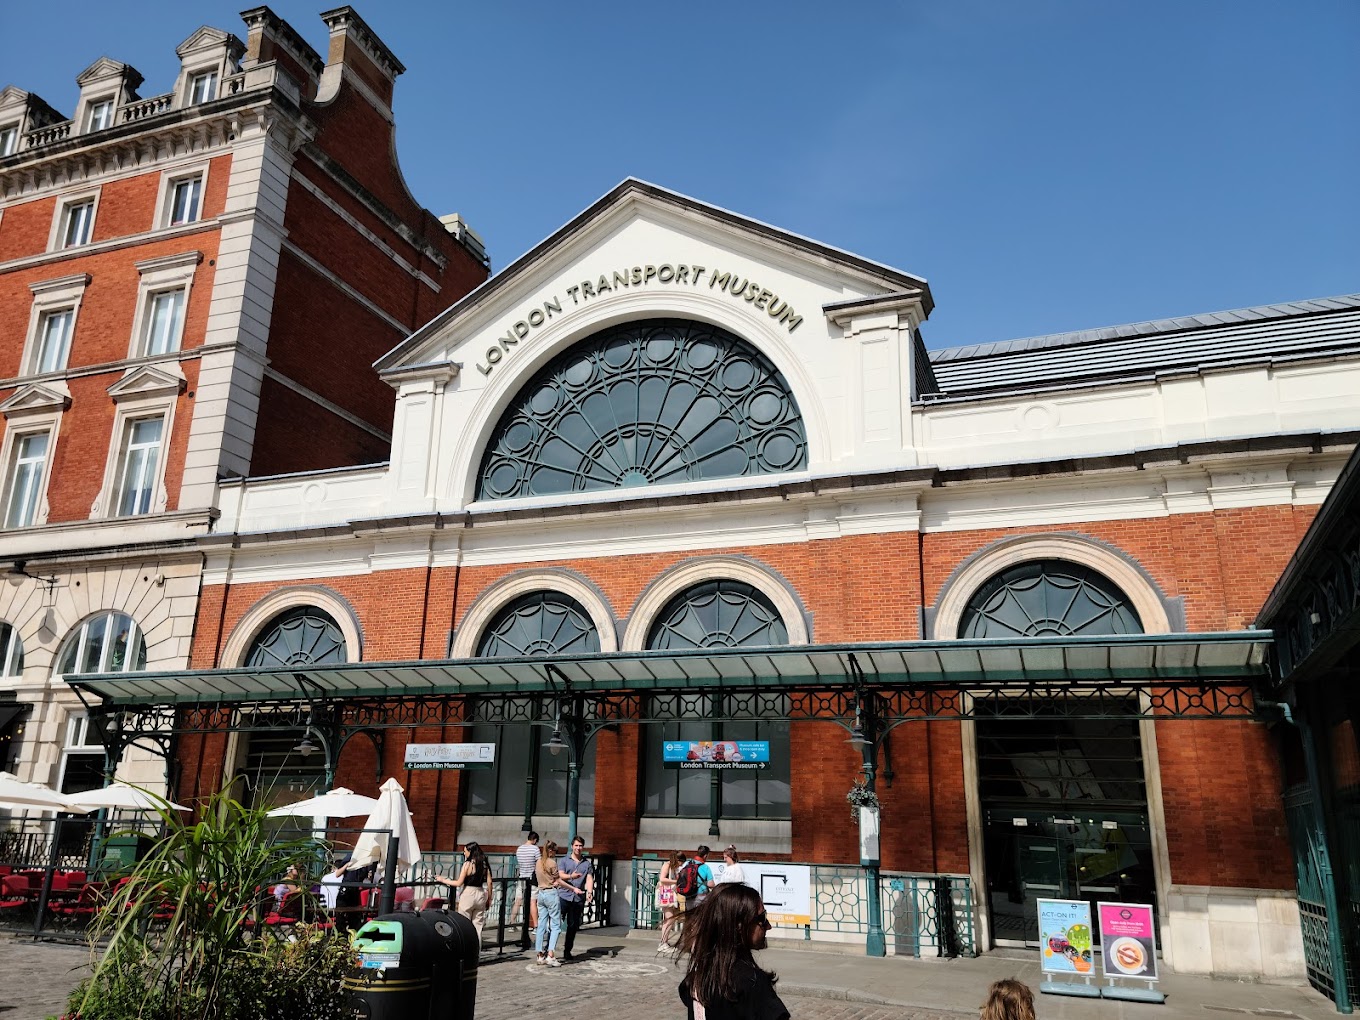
[{"x": 632, "y": 985}]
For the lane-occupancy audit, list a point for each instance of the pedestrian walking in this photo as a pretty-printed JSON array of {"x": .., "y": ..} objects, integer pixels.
[
  {"x": 1008, "y": 999},
  {"x": 579, "y": 876},
  {"x": 666, "y": 899},
  {"x": 550, "y": 882},
  {"x": 526, "y": 858},
  {"x": 731, "y": 867},
  {"x": 471, "y": 883},
  {"x": 723, "y": 980}
]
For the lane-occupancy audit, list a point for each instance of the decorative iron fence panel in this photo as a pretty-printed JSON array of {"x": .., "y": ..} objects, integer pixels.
[
  {"x": 1310, "y": 875},
  {"x": 912, "y": 919}
]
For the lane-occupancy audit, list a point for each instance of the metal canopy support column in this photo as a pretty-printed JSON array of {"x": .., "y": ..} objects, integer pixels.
[{"x": 866, "y": 735}]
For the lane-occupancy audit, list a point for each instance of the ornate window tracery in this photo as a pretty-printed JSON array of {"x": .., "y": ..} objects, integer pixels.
[
  {"x": 645, "y": 403},
  {"x": 540, "y": 623},
  {"x": 303, "y": 635},
  {"x": 719, "y": 614},
  {"x": 1048, "y": 598}
]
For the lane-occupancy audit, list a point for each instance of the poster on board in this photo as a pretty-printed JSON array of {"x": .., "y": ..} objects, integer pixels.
[
  {"x": 1128, "y": 940},
  {"x": 450, "y": 756},
  {"x": 716, "y": 754},
  {"x": 1065, "y": 937},
  {"x": 785, "y": 888}
]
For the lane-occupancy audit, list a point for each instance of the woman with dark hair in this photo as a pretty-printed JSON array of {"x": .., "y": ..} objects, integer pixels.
[
  {"x": 723, "y": 981},
  {"x": 471, "y": 880},
  {"x": 666, "y": 900}
]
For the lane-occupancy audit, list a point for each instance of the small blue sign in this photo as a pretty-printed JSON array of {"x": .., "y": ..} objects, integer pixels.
[{"x": 716, "y": 754}]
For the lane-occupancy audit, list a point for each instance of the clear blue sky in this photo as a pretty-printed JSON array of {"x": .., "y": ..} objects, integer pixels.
[{"x": 1046, "y": 164}]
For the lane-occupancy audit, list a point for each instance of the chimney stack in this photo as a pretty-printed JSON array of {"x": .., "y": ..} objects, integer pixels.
[
  {"x": 272, "y": 38},
  {"x": 356, "y": 48}
]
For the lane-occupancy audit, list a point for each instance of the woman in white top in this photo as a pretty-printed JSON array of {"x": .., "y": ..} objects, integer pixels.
[{"x": 731, "y": 869}]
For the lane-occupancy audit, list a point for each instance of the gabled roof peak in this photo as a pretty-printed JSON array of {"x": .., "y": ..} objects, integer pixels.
[
  {"x": 206, "y": 38},
  {"x": 107, "y": 67}
]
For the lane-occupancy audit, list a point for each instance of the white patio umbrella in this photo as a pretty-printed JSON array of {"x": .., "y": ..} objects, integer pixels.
[
  {"x": 121, "y": 795},
  {"x": 337, "y": 803},
  {"x": 15, "y": 793},
  {"x": 391, "y": 813}
]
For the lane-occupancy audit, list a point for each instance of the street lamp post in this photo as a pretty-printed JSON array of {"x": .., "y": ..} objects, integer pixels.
[{"x": 865, "y": 735}]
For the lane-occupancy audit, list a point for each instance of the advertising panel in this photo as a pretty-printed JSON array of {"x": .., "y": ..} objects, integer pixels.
[
  {"x": 1128, "y": 940},
  {"x": 716, "y": 754},
  {"x": 1065, "y": 936},
  {"x": 785, "y": 888},
  {"x": 450, "y": 756}
]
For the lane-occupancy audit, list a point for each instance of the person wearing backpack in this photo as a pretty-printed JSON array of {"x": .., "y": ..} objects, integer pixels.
[
  {"x": 687, "y": 885},
  {"x": 705, "y": 874}
]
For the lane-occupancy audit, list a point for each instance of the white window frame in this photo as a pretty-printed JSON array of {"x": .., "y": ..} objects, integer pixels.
[
  {"x": 215, "y": 73},
  {"x": 13, "y": 446},
  {"x": 44, "y": 349},
  {"x": 13, "y": 139},
  {"x": 91, "y": 107},
  {"x": 8, "y": 659},
  {"x": 77, "y": 636},
  {"x": 74, "y": 743},
  {"x": 165, "y": 197},
  {"x": 131, "y": 409},
  {"x": 127, "y": 447},
  {"x": 158, "y": 275},
  {"x": 56, "y": 241},
  {"x": 52, "y": 296}
]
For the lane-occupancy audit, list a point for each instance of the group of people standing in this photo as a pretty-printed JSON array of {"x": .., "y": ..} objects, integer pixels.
[{"x": 686, "y": 880}]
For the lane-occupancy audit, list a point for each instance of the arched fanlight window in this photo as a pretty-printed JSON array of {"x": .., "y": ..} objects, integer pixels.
[
  {"x": 645, "y": 403},
  {"x": 1048, "y": 598},
  {"x": 719, "y": 614},
  {"x": 526, "y": 778},
  {"x": 108, "y": 643},
  {"x": 11, "y": 652},
  {"x": 540, "y": 623},
  {"x": 303, "y": 635}
]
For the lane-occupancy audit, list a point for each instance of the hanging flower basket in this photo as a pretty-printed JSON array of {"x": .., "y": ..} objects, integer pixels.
[{"x": 860, "y": 796}]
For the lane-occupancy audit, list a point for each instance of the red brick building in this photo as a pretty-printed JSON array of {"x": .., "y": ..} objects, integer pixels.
[
  {"x": 708, "y": 471},
  {"x": 195, "y": 285}
]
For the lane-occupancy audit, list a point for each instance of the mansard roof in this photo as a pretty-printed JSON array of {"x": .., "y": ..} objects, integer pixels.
[
  {"x": 1294, "y": 330},
  {"x": 644, "y": 193}
]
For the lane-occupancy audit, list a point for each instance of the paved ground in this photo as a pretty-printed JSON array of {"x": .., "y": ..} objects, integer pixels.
[{"x": 621, "y": 977}]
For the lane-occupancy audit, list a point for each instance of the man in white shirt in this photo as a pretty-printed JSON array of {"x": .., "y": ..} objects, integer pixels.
[{"x": 526, "y": 859}]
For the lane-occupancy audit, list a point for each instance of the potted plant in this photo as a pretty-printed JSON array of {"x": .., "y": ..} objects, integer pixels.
[{"x": 860, "y": 796}]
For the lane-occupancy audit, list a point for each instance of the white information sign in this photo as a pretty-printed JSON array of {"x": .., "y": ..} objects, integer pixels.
[
  {"x": 450, "y": 756},
  {"x": 785, "y": 888}
]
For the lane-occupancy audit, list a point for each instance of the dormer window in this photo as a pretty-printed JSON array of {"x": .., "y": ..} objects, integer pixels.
[
  {"x": 100, "y": 115},
  {"x": 9, "y": 139},
  {"x": 203, "y": 87}
]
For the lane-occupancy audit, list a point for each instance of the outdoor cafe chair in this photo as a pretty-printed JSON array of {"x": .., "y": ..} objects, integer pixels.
[
  {"x": 84, "y": 906},
  {"x": 13, "y": 894}
]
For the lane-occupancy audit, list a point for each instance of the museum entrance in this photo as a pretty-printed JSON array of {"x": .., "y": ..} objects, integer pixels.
[{"x": 1064, "y": 808}]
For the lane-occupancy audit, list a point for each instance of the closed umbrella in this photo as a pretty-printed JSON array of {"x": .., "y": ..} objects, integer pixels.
[
  {"x": 338, "y": 803},
  {"x": 120, "y": 795},
  {"x": 17, "y": 794},
  {"x": 391, "y": 813}
]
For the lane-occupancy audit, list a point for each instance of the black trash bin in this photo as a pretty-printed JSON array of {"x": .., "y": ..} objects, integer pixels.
[{"x": 415, "y": 966}]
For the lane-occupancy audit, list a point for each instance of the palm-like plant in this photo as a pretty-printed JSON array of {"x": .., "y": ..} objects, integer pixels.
[{"x": 179, "y": 928}]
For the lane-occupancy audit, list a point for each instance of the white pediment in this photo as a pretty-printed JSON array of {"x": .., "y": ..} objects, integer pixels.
[
  {"x": 37, "y": 398},
  {"x": 106, "y": 67},
  {"x": 209, "y": 38},
  {"x": 643, "y": 245},
  {"x": 148, "y": 381},
  {"x": 12, "y": 95}
]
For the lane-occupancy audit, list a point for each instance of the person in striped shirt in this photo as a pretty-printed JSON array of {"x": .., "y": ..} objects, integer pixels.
[{"x": 526, "y": 857}]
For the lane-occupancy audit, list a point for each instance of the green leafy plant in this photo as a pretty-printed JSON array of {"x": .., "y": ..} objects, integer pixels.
[
  {"x": 182, "y": 937},
  {"x": 860, "y": 796}
]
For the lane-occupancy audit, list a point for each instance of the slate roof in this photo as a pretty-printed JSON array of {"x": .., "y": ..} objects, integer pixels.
[{"x": 1295, "y": 330}]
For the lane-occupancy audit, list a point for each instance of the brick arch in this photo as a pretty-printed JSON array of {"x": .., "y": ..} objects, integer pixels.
[
  {"x": 258, "y": 616},
  {"x": 522, "y": 582},
  {"x": 1112, "y": 563}
]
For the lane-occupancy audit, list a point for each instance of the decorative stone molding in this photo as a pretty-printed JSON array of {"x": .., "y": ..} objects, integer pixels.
[
  {"x": 149, "y": 381},
  {"x": 258, "y": 616},
  {"x": 522, "y": 582},
  {"x": 986, "y": 563},
  {"x": 715, "y": 568},
  {"x": 37, "y": 398}
]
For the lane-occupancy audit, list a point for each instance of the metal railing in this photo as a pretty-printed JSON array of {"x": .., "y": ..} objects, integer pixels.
[{"x": 923, "y": 914}]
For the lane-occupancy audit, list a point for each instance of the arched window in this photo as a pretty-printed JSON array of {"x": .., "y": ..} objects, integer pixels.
[
  {"x": 301, "y": 636},
  {"x": 11, "y": 652},
  {"x": 645, "y": 403},
  {"x": 540, "y": 623},
  {"x": 527, "y": 779},
  {"x": 718, "y": 614},
  {"x": 1048, "y": 598},
  {"x": 108, "y": 643}
]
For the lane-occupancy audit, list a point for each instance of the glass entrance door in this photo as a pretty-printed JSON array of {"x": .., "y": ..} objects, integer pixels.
[{"x": 1064, "y": 817}]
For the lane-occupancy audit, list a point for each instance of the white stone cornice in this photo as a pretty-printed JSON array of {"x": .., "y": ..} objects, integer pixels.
[
  {"x": 75, "y": 280},
  {"x": 179, "y": 260}
]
